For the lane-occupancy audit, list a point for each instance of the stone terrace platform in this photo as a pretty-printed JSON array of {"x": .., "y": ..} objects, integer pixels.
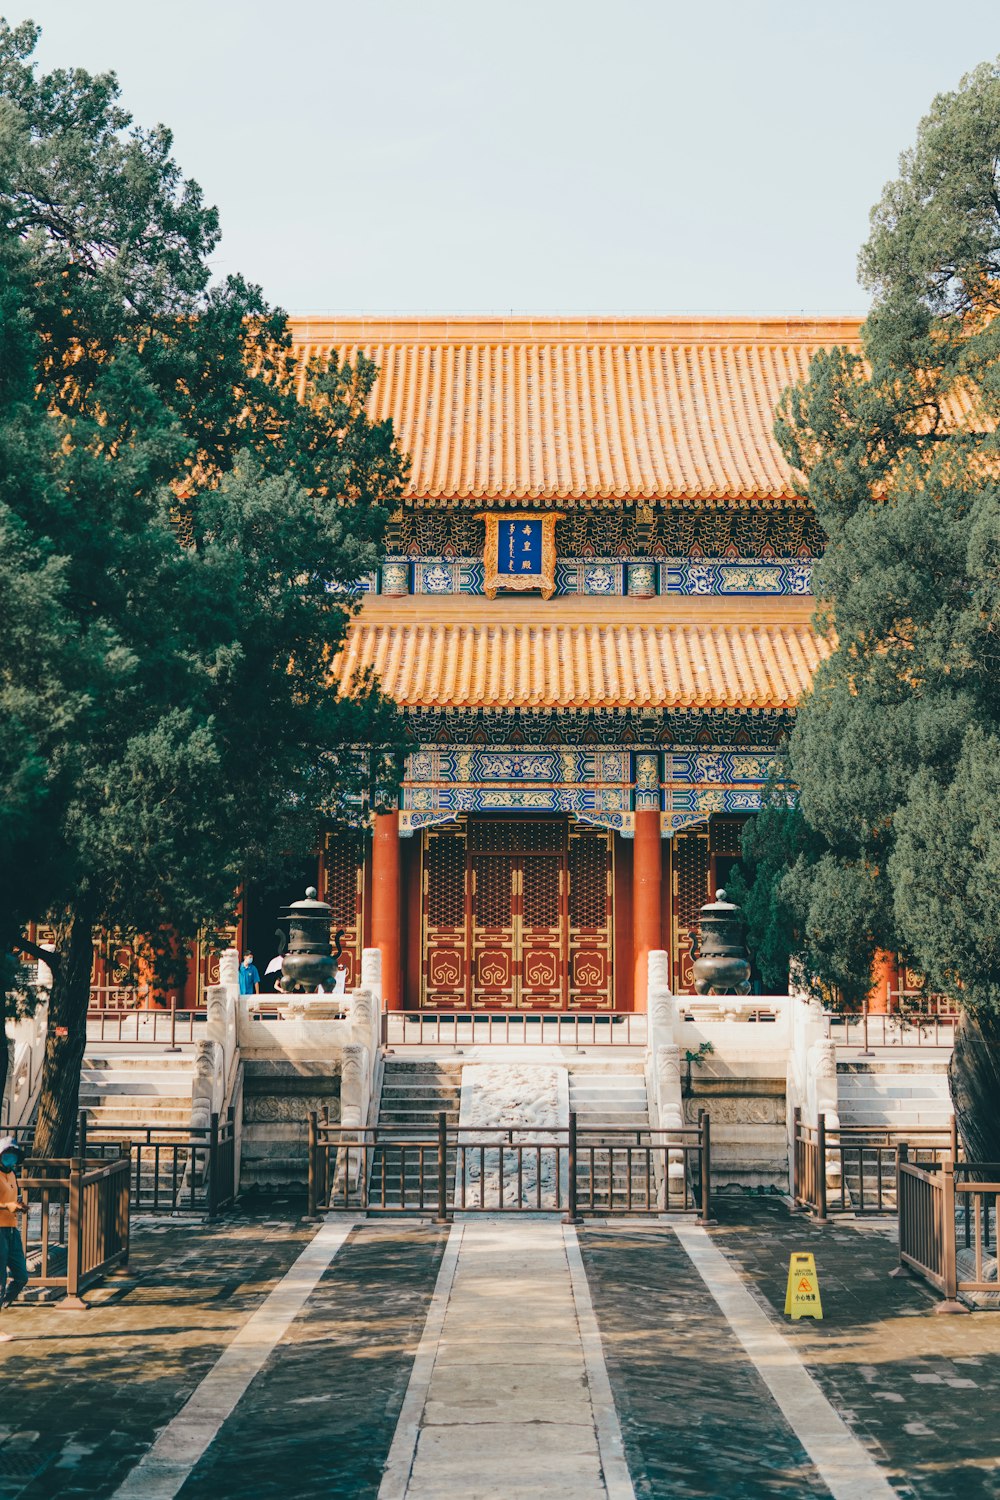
[{"x": 514, "y": 1358}]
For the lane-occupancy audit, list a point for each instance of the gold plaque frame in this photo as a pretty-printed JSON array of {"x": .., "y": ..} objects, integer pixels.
[{"x": 494, "y": 580}]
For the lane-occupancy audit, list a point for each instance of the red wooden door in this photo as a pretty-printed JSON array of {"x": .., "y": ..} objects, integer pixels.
[
  {"x": 495, "y": 878},
  {"x": 540, "y": 932},
  {"x": 517, "y": 914},
  {"x": 590, "y": 906}
]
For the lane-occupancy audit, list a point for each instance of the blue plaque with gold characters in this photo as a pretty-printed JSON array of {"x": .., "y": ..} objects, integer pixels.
[{"x": 520, "y": 553}]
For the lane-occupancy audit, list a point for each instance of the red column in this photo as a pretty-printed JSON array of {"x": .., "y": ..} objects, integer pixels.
[
  {"x": 885, "y": 977},
  {"x": 646, "y": 883},
  {"x": 385, "y": 905}
]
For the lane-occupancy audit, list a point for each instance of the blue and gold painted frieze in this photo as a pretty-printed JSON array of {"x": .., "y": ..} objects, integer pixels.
[
  {"x": 470, "y": 764},
  {"x": 610, "y": 578},
  {"x": 604, "y": 786}
]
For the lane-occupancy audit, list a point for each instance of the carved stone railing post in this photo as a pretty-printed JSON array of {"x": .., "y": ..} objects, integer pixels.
[
  {"x": 355, "y": 1095},
  {"x": 363, "y": 1012},
  {"x": 229, "y": 969},
  {"x": 371, "y": 973}
]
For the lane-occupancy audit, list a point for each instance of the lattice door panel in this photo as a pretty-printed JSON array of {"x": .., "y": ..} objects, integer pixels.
[
  {"x": 540, "y": 933},
  {"x": 591, "y": 924},
  {"x": 691, "y": 870},
  {"x": 445, "y": 919},
  {"x": 495, "y": 883},
  {"x": 342, "y": 888}
]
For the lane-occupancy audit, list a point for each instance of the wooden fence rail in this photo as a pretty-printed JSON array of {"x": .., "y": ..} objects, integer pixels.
[
  {"x": 597, "y": 1171},
  {"x": 76, "y": 1228},
  {"x": 948, "y": 1226},
  {"x": 852, "y": 1168}
]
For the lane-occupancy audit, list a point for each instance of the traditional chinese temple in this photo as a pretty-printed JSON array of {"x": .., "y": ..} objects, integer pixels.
[{"x": 595, "y": 611}]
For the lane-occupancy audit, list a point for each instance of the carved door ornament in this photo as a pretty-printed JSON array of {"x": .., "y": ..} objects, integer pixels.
[{"x": 520, "y": 552}]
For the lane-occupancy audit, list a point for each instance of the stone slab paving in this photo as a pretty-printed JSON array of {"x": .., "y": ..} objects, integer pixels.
[
  {"x": 696, "y": 1417},
  {"x": 504, "y": 1402},
  {"x": 83, "y": 1393},
  {"x": 922, "y": 1390},
  {"x": 319, "y": 1419},
  {"x": 507, "y": 1404}
]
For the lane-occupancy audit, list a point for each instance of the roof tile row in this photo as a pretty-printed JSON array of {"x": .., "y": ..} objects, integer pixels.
[{"x": 601, "y": 412}]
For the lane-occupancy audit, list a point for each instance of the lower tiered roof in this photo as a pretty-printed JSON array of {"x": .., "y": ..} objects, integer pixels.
[{"x": 650, "y": 653}]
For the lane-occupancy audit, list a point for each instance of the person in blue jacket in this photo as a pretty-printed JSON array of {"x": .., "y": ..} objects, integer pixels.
[{"x": 249, "y": 977}]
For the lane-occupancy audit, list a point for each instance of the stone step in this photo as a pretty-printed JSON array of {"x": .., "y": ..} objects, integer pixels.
[
  {"x": 607, "y": 1098},
  {"x": 420, "y": 1096},
  {"x": 100, "y": 1114},
  {"x": 847, "y": 1067},
  {"x": 148, "y": 1057},
  {"x": 167, "y": 1089},
  {"x": 897, "y": 1119},
  {"x": 401, "y": 1067}
]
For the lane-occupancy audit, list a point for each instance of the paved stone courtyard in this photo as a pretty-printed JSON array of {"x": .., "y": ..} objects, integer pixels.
[{"x": 499, "y": 1359}]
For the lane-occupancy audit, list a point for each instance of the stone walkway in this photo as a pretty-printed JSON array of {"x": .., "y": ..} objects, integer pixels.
[
  {"x": 515, "y": 1358},
  {"x": 509, "y": 1395}
]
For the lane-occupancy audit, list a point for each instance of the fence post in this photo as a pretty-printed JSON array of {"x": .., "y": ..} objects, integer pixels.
[
  {"x": 902, "y": 1156},
  {"x": 173, "y": 1023},
  {"x": 311, "y": 1206},
  {"x": 947, "y": 1230},
  {"x": 213, "y": 1165},
  {"x": 74, "y": 1237},
  {"x": 231, "y": 1122},
  {"x": 865, "y": 1050},
  {"x": 796, "y": 1122},
  {"x": 82, "y": 1134},
  {"x": 705, "y": 1128},
  {"x": 571, "y": 1215},
  {"x": 442, "y": 1174},
  {"x": 954, "y": 1138},
  {"x": 821, "y": 1168}
]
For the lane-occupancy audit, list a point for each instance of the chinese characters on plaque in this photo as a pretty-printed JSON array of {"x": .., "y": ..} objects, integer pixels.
[{"x": 520, "y": 553}]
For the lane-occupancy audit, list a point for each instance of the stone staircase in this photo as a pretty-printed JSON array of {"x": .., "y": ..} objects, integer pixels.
[
  {"x": 888, "y": 1095},
  {"x": 143, "y": 1095},
  {"x": 891, "y": 1093},
  {"x": 414, "y": 1093},
  {"x": 602, "y": 1094}
]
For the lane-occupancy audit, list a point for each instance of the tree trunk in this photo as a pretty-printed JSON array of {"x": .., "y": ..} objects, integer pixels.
[
  {"x": 974, "y": 1077},
  {"x": 67, "y": 1038},
  {"x": 6, "y": 1058}
]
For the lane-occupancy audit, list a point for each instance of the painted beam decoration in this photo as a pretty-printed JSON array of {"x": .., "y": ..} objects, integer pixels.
[
  {"x": 520, "y": 553},
  {"x": 600, "y": 786}
]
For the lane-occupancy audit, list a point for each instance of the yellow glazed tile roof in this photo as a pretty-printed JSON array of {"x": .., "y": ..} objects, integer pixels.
[
  {"x": 599, "y": 411},
  {"x": 697, "y": 654}
]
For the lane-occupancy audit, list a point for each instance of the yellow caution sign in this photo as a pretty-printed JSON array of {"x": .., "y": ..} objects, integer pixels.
[{"x": 802, "y": 1292}]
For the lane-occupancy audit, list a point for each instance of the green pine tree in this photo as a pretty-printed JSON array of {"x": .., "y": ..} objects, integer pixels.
[
  {"x": 895, "y": 747},
  {"x": 174, "y": 542}
]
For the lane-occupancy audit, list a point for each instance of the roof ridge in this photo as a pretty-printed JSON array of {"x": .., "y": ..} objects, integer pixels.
[{"x": 681, "y": 328}]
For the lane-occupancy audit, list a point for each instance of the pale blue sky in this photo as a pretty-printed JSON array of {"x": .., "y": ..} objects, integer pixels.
[{"x": 554, "y": 156}]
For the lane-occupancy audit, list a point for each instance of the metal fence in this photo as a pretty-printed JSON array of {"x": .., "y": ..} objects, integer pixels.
[
  {"x": 171, "y": 1169},
  {"x": 174, "y": 1171},
  {"x": 852, "y": 1169},
  {"x": 948, "y": 1225},
  {"x": 145, "y": 1025},
  {"x": 866, "y": 1031},
  {"x": 76, "y": 1227},
  {"x": 600, "y": 1171},
  {"x": 506, "y": 1028}
]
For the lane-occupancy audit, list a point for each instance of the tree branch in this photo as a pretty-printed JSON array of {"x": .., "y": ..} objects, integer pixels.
[{"x": 44, "y": 955}]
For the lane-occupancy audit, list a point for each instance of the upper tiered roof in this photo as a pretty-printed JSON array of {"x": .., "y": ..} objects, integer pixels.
[{"x": 596, "y": 411}]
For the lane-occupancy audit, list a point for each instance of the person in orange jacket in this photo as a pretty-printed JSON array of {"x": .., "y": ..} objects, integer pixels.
[{"x": 12, "y": 1259}]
